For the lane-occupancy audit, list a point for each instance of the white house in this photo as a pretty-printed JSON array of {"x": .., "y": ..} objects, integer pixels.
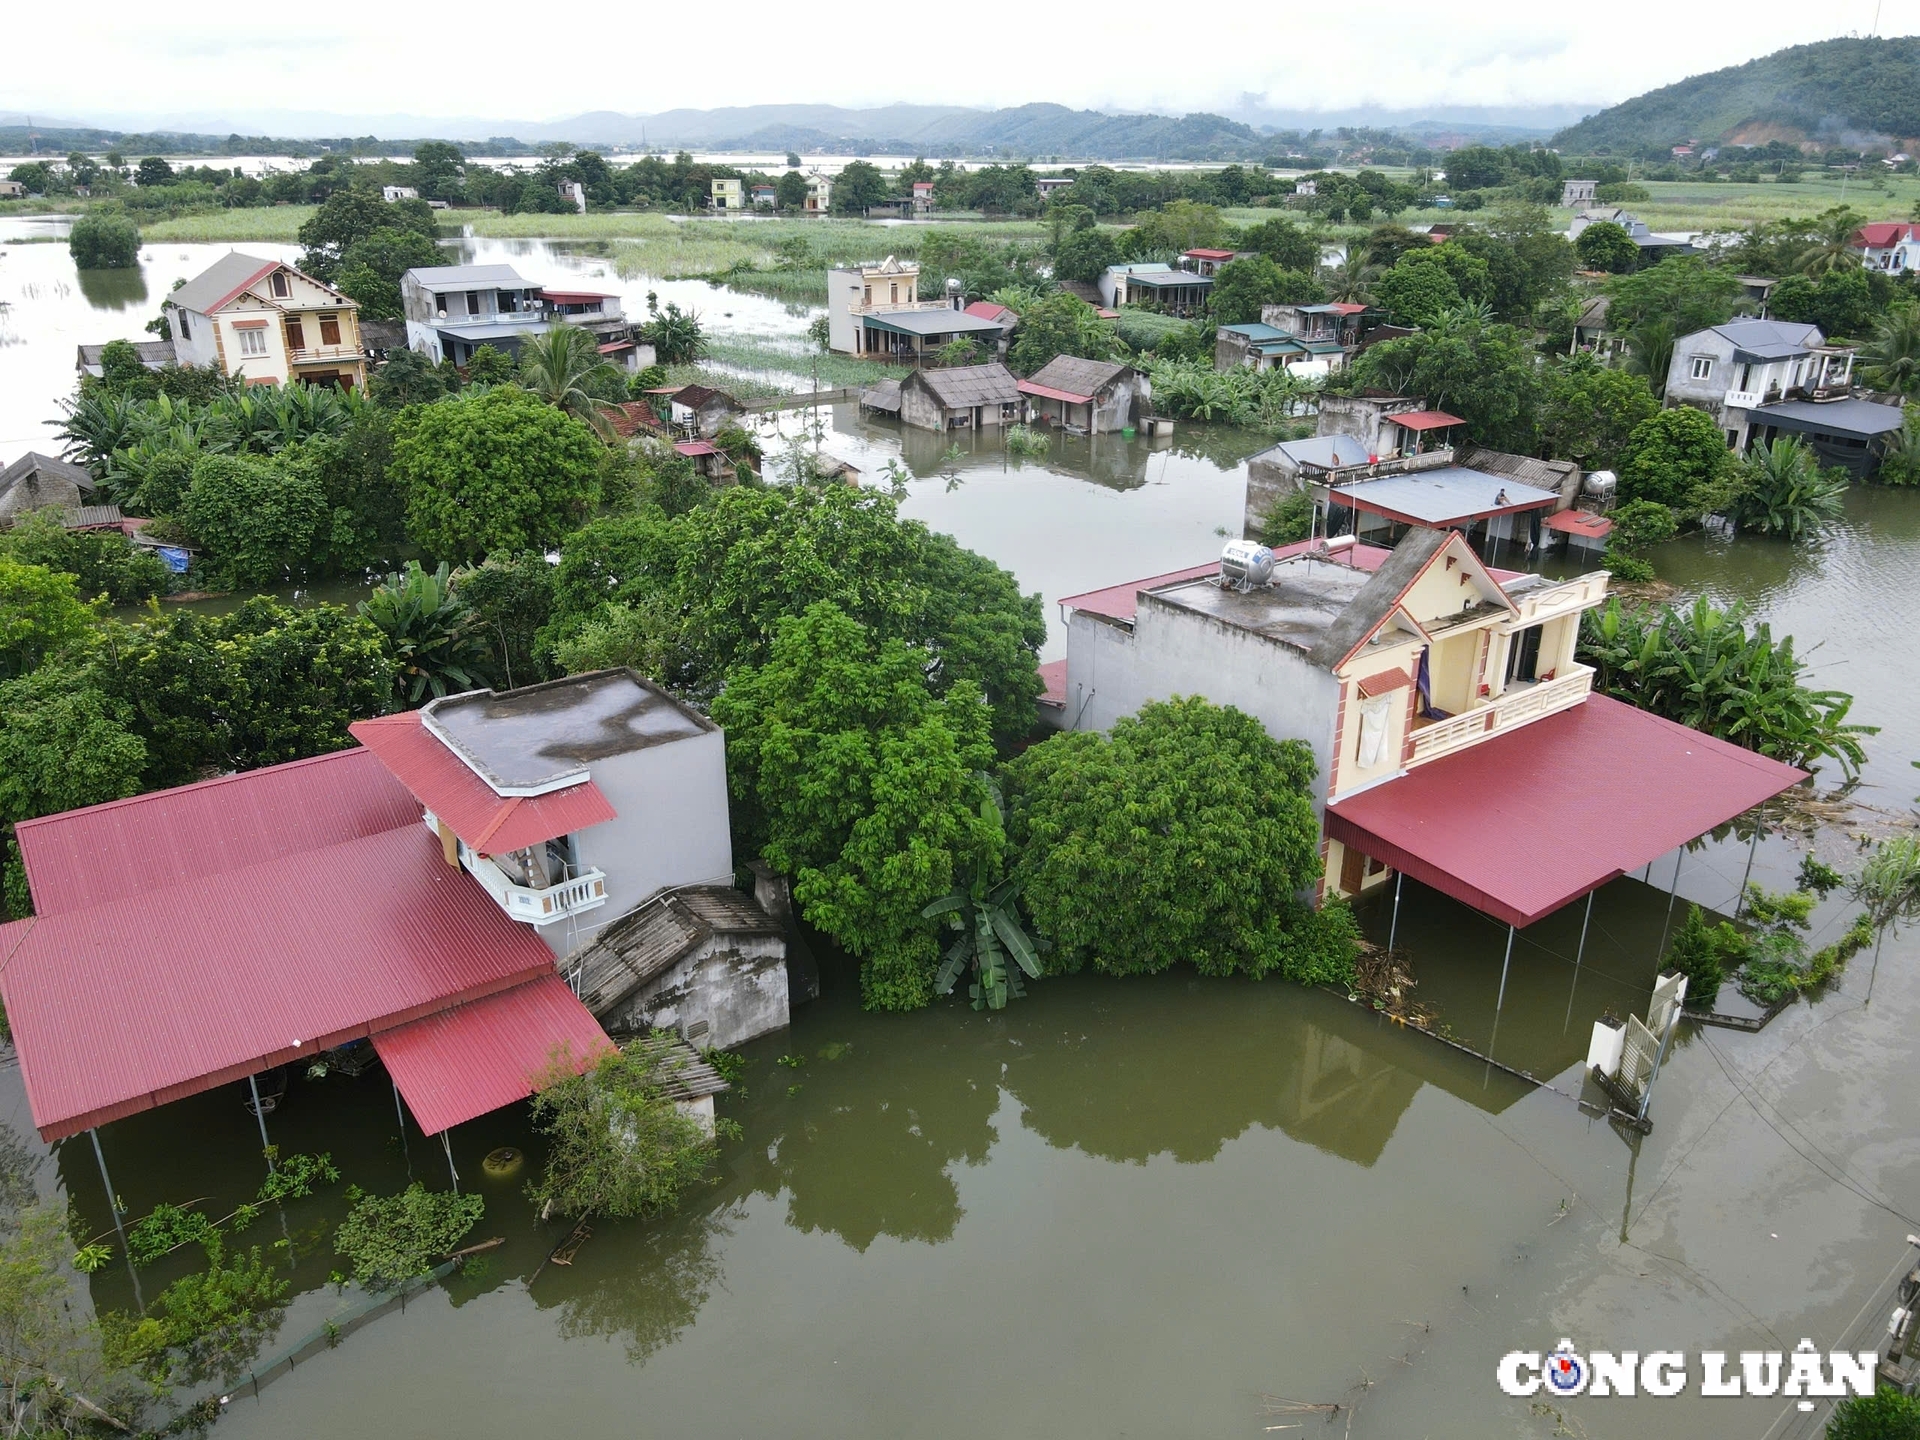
[
  {"x": 267, "y": 323},
  {"x": 452, "y": 310}
]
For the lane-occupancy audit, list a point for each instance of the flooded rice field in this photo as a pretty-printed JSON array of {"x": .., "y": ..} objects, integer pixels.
[{"x": 1147, "y": 1207}]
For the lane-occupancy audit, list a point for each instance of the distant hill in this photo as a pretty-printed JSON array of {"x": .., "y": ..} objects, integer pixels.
[{"x": 1850, "y": 92}]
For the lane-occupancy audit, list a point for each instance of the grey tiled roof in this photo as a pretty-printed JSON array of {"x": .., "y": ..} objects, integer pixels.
[{"x": 966, "y": 386}]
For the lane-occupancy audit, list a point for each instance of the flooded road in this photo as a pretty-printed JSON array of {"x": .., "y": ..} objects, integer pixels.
[{"x": 1148, "y": 1207}]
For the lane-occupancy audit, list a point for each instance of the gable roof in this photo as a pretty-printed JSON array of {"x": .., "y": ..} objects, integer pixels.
[
  {"x": 214, "y": 286},
  {"x": 35, "y": 481},
  {"x": 1881, "y": 234},
  {"x": 1769, "y": 339},
  {"x": 965, "y": 386},
  {"x": 1385, "y": 589},
  {"x": 698, "y": 397},
  {"x": 1075, "y": 376}
]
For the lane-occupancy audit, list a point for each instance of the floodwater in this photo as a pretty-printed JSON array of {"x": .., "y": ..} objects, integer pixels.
[{"x": 1168, "y": 1206}]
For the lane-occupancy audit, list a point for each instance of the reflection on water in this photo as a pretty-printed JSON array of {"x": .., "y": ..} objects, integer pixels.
[
  {"x": 644, "y": 1284},
  {"x": 113, "y": 289}
]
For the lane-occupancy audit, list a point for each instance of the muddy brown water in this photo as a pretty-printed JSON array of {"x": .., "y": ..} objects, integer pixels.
[{"x": 1147, "y": 1207}]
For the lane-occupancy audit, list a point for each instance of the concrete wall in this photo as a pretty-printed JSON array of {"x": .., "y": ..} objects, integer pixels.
[
  {"x": 739, "y": 992},
  {"x": 1112, "y": 672},
  {"x": 197, "y": 346},
  {"x": 1364, "y": 419},
  {"x": 671, "y": 830}
]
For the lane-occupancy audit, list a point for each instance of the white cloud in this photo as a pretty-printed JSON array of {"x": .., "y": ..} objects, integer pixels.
[{"x": 493, "y": 59}]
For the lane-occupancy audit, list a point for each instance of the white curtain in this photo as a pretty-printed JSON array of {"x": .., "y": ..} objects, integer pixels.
[{"x": 1373, "y": 730}]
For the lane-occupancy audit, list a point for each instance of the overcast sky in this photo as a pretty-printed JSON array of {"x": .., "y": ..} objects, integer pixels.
[{"x": 485, "y": 58}]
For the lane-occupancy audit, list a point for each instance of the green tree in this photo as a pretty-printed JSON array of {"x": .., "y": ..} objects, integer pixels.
[
  {"x": 261, "y": 519},
  {"x": 1588, "y": 411},
  {"x": 408, "y": 378},
  {"x": 1839, "y": 301},
  {"x": 103, "y": 240},
  {"x": 41, "y": 613},
  {"x": 1891, "y": 360},
  {"x": 1084, "y": 255},
  {"x": 1485, "y": 374},
  {"x": 348, "y": 217},
  {"x": 390, "y": 1239},
  {"x": 1284, "y": 243},
  {"x": 1186, "y": 832},
  {"x": 856, "y": 187},
  {"x": 488, "y": 366},
  {"x": 617, "y": 1145},
  {"x": 432, "y": 634},
  {"x": 1679, "y": 458},
  {"x": 1414, "y": 294},
  {"x": 1684, "y": 291},
  {"x": 1604, "y": 245},
  {"x": 1242, "y": 287},
  {"x": 855, "y": 780},
  {"x": 495, "y": 470},
  {"x": 983, "y": 908},
  {"x": 64, "y": 744},
  {"x": 1901, "y": 463},
  {"x": 1696, "y": 954},
  {"x": 563, "y": 367},
  {"x": 371, "y": 268},
  {"x": 1781, "y": 490},
  {"x": 153, "y": 171},
  {"x": 790, "y": 190},
  {"x": 1884, "y": 1415},
  {"x": 1061, "y": 324},
  {"x": 1830, "y": 246},
  {"x": 1650, "y": 352},
  {"x": 511, "y": 597},
  {"x": 675, "y": 334},
  {"x": 102, "y": 563}
]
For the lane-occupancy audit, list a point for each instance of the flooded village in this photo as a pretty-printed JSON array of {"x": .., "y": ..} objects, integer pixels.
[{"x": 1268, "y": 805}]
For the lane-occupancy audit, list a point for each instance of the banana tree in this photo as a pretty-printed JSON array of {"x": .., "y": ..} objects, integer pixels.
[{"x": 991, "y": 941}]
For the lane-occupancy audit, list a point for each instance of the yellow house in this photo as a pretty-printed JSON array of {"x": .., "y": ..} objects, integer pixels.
[
  {"x": 268, "y": 323},
  {"x": 727, "y": 195}
]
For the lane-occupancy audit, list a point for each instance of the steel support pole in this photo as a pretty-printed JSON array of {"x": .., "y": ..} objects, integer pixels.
[
  {"x": 266, "y": 1145},
  {"x": 401, "y": 1115},
  {"x": 1499, "y": 1003},
  {"x": 1393, "y": 929},
  {"x": 1578, "y": 955},
  {"x": 1667, "y": 925},
  {"x": 1740, "y": 900},
  {"x": 113, "y": 1204},
  {"x": 447, "y": 1146}
]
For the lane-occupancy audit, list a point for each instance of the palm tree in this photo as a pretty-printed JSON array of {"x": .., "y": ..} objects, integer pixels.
[
  {"x": 1832, "y": 244},
  {"x": 1891, "y": 360},
  {"x": 1783, "y": 491},
  {"x": 1350, "y": 282},
  {"x": 1650, "y": 352},
  {"x": 436, "y": 638},
  {"x": 1901, "y": 463},
  {"x": 562, "y": 367}
]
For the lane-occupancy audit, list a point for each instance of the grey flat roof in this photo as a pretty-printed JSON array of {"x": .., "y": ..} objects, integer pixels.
[
  {"x": 1165, "y": 279},
  {"x": 536, "y": 736},
  {"x": 931, "y": 322},
  {"x": 1853, "y": 417},
  {"x": 1301, "y": 604},
  {"x": 455, "y": 277},
  {"x": 479, "y": 334},
  {"x": 1445, "y": 496}
]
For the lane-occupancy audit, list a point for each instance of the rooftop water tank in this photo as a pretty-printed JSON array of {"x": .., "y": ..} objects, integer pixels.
[
  {"x": 1245, "y": 564},
  {"x": 1601, "y": 485}
]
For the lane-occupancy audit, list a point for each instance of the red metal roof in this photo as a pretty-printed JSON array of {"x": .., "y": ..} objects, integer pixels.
[
  {"x": 614, "y": 346},
  {"x": 1053, "y": 679},
  {"x": 126, "y": 1005},
  {"x": 1519, "y": 825},
  {"x": 1027, "y": 387},
  {"x": 150, "y": 842},
  {"x": 1344, "y": 307},
  {"x": 461, "y": 1063},
  {"x": 576, "y": 297},
  {"x": 631, "y": 418},
  {"x": 987, "y": 310},
  {"x": 1881, "y": 234},
  {"x": 1210, "y": 254},
  {"x": 692, "y": 448},
  {"x": 489, "y": 823},
  {"x": 1580, "y": 522},
  {"x": 1426, "y": 420}
]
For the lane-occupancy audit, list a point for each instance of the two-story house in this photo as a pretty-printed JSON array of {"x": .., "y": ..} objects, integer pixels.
[
  {"x": 267, "y": 323},
  {"x": 1892, "y": 246},
  {"x": 819, "y": 199},
  {"x": 452, "y": 310},
  {"x": 481, "y": 887},
  {"x": 1760, "y": 379},
  {"x": 877, "y": 309},
  {"x": 728, "y": 194},
  {"x": 1455, "y": 734}
]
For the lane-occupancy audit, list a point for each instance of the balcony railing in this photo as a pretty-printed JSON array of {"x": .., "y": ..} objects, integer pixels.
[
  {"x": 310, "y": 354},
  {"x": 1515, "y": 708},
  {"x": 1539, "y": 605},
  {"x": 1744, "y": 399},
  {"x": 535, "y": 906},
  {"x": 497, "y": 317}
]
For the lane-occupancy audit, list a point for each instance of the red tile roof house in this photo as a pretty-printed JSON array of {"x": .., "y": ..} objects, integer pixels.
[
  {"x": 1456, "y": 736},
  {"x": 1889, "y": 245},
  {"x": 447, "y": 890}
]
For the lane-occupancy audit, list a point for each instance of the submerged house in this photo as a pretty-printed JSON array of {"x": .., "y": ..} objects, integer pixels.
[
  {"x": 1455, "y": 734},
  {"x": 40, "y": 482},
  {"x": 1097, "y": 396},
  {"x": 966, "y": 397},
  {"x": 437, "y": 890}
]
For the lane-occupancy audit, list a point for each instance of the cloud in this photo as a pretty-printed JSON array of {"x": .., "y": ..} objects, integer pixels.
[{"x": 489, "y": 57}]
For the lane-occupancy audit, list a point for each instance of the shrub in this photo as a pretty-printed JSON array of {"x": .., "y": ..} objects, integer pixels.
[
  {"x": 1884, "y": 1415},
  {"x": 1289, "y": 521},
  {"x": 1677, "y": 458},
  {"x": 104, "y": 241},
  {"x": 1696, "y": 954},
  {"x": 394, "y": 1238}
]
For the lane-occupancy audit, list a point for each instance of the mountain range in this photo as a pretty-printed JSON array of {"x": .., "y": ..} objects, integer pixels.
[{"x": 1852, "y": 92}]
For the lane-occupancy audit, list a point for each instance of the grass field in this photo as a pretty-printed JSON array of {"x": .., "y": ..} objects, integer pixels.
[
  {"x": 269, "y": 222},
  {"x": 788, "y": 365}
]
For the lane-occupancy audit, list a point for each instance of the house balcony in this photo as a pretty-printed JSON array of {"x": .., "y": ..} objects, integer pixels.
[
  {"x": 1524, "y": 702},
  {"x": 321, "y": 354},
  {"x": 1746, "y": 399},
  {"x": 1535, "y": 606},
  {"x": 535, "y": 905}
]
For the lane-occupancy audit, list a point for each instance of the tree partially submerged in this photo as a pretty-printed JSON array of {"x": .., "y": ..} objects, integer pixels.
[
  {"x": 390, "y": 1239},
  {"x": 617, "y": 1143}
]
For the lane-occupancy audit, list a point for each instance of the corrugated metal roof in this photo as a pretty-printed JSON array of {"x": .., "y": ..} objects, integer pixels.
[
  {"x": 461, "y": 1063},
  {"x": 1053, "y": 681},
  {"x": 167, "y": 837},
  {"x": 1045, "y": 392},
  {"x": 1851, "y": 416},
  {"x": 449, "y": 277},
  {"x": 1426, "y": 419},
  {"x": 126, "y": 1005},
  {"x": 1076, "y": 376},
  {"x": 1448, "y": 496},
  {"x": 489, "y": 823},
  {"x": 220, "y": 282},
  {"x": 1519, "y": 825}
]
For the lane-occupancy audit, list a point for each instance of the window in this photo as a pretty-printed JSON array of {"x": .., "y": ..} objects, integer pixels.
[
  {"x": 296, "y": 334},
  {"x": 893, "y": 294},
  {"x": 180, "y": 319},
  {"x": 329, "y": 329},
  {"x": 867, "y": 296},
  {"x": 473, "y": 302},
  {"x": 281, "y": 289},
  {"x": 1702, "y": 367},
  {"x": 252, "y": 342}
]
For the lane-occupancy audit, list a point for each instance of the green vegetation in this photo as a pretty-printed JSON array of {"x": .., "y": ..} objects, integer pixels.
[
  {"x": 1781, "y": 490},
  {"x": 1677, "y": 458},
  {"x": 1703, "y": 667},
  {"x": 434, "y": 637},
  {"x": 391, "y": 1239},
  {"x": 991, "y": 941},
  {"x": 1884, "y": 1415},
  {"x": 103, "y": 565},
  {"x": 1704, "y": 953},
  {"x": 1242, "y": 287},
  {"x": 1269, "y": 400},
  {"x": 1185, "y": 833},
  {"x": 1290, "y": 521},
  {"x": 1061, "y": 324},
  {"x": 103, "y": 240},
  {"x": 617, "y": 1145}
]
